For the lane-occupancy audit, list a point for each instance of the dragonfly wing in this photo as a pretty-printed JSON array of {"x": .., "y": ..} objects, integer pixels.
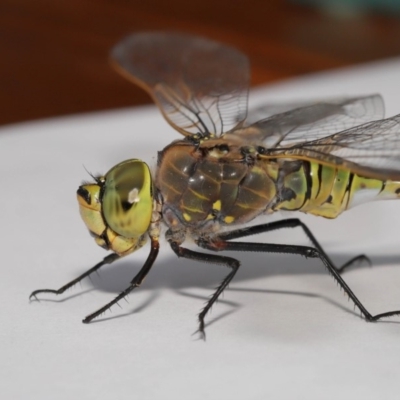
[
  {"x": 267, "y": 110},
  {"x": 199, "y": 85},
  {"x": 314, "y": 121},
  {"x": 371, "y": 150}
]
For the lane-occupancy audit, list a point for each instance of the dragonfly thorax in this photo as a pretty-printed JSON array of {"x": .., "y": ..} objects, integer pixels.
[{"x": 215, "y": 182}]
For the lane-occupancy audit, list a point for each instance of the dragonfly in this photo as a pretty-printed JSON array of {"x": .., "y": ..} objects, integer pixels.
[{"x": 320, "y": 158}]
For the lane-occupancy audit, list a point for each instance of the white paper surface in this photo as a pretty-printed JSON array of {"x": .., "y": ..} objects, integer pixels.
[{"x": 283, "y": 330}]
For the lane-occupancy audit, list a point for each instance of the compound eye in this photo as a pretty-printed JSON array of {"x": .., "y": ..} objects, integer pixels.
[{"x": 127, "y": 200}]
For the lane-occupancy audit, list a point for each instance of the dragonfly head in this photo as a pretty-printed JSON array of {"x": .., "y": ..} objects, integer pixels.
[{"x": 117, "y": 208}]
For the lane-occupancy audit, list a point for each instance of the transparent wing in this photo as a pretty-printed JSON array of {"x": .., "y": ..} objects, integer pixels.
[
  {"x": 267, "y": 110},
  {"x": 314, "y": 121},
  {"x": 371, "y": 149},
  {"x": 200, "y": 86}
]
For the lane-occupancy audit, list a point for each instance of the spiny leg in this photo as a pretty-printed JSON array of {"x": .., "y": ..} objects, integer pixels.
[
  {"x": 219, "y": 243},
  {"x": 357, "y": 259},
  {"x": 136, "y": 281},
  {"x": 290, "y": 223},
  {"x": 214, "y": 259},
  {"x": 107, "y": 260}
]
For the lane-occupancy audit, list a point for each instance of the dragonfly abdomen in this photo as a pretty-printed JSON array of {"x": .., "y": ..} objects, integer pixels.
[{"x": 326, "y": 191}]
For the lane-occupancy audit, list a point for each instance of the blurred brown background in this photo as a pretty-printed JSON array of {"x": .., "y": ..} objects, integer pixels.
[{"x": 54, "y": 53}]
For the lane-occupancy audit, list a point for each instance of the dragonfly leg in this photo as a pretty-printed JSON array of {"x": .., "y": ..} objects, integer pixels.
[
  {"x": 219, "y": 243},
  {"x": 107, "y": 260},
  {"x": 357, "y": 259},
  {"x": 291, "y": 223},
  {"x": 136, "y": 281},
  {"x": 230, "y": 262}
]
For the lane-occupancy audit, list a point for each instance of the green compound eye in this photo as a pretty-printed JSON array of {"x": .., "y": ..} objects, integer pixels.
[{"x": 128, "y": 199}]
